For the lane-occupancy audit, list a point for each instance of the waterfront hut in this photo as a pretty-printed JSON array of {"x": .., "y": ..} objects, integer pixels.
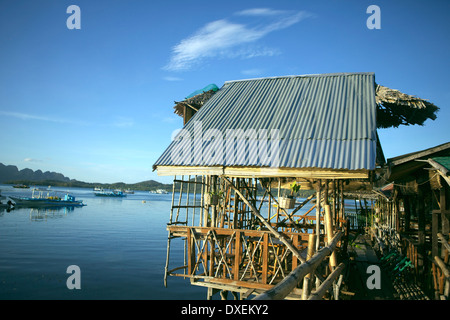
[
  {"x": 240, "y": 149},
  {"x": 414, "y": 215}
]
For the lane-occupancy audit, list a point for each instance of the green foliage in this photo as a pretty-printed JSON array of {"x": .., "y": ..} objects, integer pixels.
[{"x": 295, "y": 188}]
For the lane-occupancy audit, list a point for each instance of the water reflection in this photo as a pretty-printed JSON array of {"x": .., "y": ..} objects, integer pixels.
[{"x": 42, "y": 214}]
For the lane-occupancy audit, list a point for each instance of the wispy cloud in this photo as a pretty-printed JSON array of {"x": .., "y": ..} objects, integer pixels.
[
  {"x": 31, "y": 160},
  {"x": 252, "y": 72},
  {"x": 172, "y": 78},
  {"x": 224, "y": 38},
  {"x": 27, "y": 116},
  {"x": 118, "y": 121},
  {"x": 123, "y": 122},
  {"x": 261, "y": 12}
]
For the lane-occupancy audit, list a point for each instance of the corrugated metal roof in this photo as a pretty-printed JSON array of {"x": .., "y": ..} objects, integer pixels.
[{"x": 322, "y": 121}]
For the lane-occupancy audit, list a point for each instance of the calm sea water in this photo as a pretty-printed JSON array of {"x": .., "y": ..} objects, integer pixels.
[{"x": 119, "y": 245}]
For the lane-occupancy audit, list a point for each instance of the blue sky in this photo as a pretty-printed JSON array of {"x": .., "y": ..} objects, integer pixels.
[{"x": 96, "y": 104}]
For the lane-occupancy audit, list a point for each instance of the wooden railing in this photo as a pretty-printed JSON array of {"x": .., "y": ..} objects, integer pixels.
[
  {"x": 237, "y": 254},
  {"x": 441, "y": 272},
  {"x": 288, "y": 284}
]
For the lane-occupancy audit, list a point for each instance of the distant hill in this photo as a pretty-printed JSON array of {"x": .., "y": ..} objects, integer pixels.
[{"x": 10, "y": 174}]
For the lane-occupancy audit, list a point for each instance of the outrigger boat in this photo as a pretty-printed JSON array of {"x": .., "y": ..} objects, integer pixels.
[{"x": 47, "y": 198}]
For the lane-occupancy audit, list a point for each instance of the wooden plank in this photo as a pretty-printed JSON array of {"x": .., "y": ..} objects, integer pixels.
[{"x": 181, "y": 230}]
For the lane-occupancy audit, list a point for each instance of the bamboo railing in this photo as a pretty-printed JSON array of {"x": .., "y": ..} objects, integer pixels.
[
  {"x": 288, "y": 284},
  {"x": 441, "y": 272}
]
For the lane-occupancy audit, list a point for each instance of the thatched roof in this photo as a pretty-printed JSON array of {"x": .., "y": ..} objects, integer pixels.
[
  {"x": 395, "y": 108},
  {"x": 194, "y": 102}
]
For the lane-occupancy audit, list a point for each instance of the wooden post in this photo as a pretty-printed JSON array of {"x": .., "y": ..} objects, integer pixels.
[
  {"x": 421, "y": 231},
  {"x": 444, "y": 211},
  {"x": 191, "y": 251},
  {"x": 407, "y": 207},
  {"x": 330, "y": 233},
  {"x": 434, "y": 233},
  {"x": 307, "y": 280},
  {"x": 214, "y": 208},
  {"x": 334, "y": 201},
  {"x": 265, "y": 260},
  {"x": 342, "y": 208},
  {"x": 237, "y": 254},
  {"x": 318, "y": 208}
]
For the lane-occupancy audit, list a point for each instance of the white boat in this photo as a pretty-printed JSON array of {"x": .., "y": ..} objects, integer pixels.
[{"x": 110, "y": 193}]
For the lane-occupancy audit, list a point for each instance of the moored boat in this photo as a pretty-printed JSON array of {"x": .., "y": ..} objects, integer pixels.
[
  {"x": 47, "y": 198},
  {"x": 110, "y": 193},
  {"x": 21, "y": 186}
]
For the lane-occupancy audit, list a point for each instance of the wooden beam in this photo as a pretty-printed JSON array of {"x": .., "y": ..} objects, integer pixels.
[
  {"x": 262, "y": 172},
  {"x": 444, "y": 242},
  {"x": 327, "y": 283},
  {"x": 443, "y": 267}
]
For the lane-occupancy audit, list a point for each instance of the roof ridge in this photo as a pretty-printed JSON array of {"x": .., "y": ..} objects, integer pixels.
[{"x": 304, "y": 76}]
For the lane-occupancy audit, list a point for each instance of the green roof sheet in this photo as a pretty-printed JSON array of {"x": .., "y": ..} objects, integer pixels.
[{"x": 443, "y": 161}]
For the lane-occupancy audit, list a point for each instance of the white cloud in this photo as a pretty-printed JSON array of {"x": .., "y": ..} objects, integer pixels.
[
  {"x": 223, "y": 38},
  {"x": 169, "y": 78}
]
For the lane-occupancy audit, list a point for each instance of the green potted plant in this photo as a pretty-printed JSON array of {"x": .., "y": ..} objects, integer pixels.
[
  {"x": 288, "y": 201},
  {"x": 212, "y": 198}
]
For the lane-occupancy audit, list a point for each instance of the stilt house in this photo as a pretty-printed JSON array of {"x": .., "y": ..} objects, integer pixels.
[{"x": 241, "y": 149}]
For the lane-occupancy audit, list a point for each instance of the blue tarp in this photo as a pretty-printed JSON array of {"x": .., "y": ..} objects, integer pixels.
[{"x": 209, "y": 87}]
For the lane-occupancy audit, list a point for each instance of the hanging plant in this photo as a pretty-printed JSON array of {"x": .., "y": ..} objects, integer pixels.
[
  {"x": 212, "y": 198},
  {"x": 288, "y": 201}
]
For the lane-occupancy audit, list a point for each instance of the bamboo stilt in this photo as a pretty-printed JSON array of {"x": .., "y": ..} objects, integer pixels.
[
  {"x": 330, "y": 232},
  {"x": 307, "y": 280}
]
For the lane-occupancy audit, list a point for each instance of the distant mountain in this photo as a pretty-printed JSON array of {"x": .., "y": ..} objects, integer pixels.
[
  {"x": 9, "y": 173},
  {"x": 12, "y": 175}
]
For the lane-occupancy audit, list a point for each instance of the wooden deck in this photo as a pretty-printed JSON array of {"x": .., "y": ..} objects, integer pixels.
[{"x": 357, "y": 272}]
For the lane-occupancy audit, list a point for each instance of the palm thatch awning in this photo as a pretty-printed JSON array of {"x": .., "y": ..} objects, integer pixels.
[
  {"x": 395, "y": 108},
  {"x": 195, "y": 101}
]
